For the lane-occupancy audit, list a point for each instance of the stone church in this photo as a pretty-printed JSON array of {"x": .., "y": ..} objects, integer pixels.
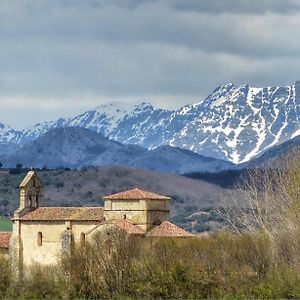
[{"x": 41, "y": 234}]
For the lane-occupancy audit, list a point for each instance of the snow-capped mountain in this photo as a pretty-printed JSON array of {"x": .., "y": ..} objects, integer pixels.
[
  {"x": 233, "y": 123},
  {"x": 76, "y": 147},
  {"x": 9, "y": 135},
  {"x": 129, "y": 124},
  {"x": 37, "y": 130},
  {"x": 239, "y": 123}
]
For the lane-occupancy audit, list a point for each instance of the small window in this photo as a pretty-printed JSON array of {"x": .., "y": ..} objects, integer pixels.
[
  {"x": 40, "y": 239},
  {"x": 82, "y": 239}
]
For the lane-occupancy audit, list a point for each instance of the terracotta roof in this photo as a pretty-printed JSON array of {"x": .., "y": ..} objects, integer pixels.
[
  {"x": 122, "y": 224},
  {"x": 136, "y": 194},
  {"x": 168, "y": 229},
  {"x": 65, "y": 214},
  {"x": 128, "y": 226},
  {"x": 4, "y": 239}
]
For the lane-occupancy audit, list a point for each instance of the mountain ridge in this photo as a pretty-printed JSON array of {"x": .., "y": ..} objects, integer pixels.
[
  {"x": 76, "y": 147},
  {"x": 236, "y": 124}
]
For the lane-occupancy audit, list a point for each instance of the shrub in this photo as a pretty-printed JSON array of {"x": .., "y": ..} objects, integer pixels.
[{"x": 4, "y": 276}]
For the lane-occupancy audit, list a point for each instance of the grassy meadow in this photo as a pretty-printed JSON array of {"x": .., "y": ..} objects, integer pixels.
[{"x": 5, "y": 224}]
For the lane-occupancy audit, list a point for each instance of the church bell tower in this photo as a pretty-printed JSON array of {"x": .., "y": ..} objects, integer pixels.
[{"x": 31, "y": 192}]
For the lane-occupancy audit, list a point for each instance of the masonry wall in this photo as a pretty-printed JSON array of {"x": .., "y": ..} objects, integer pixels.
[
  {"x": 155, "y": 218},
  {"x": 79, "y": 227},
  {"x": 145, "y": 213},
  {"x": 134, "y": 210},
  {"x": 157, "y": 212},
  {"x": 50, "y": 250},
  {"x": 125, "y": 205},
  {"x": 158, "y": 205},
  {"x": 53, "y": 237}
]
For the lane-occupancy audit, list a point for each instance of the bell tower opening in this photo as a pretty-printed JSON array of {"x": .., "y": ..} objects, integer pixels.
[{"x": 31, "y": 191}]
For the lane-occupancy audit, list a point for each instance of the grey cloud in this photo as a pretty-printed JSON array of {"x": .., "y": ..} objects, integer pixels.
[
  {"x": 211, "y": 6},
  {"x": 153, "y": 22},
  {"x": 154, "y": 50},
  {"x": 238, "y": 6}
]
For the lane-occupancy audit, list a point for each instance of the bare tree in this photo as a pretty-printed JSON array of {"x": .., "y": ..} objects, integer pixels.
[{"x": 267, "y": 199}]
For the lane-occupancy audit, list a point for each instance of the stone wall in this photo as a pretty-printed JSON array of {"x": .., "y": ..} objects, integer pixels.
[
  {"x": 56, "y": 237},
  {"x": 50, "y": 250},
  {"x": 144, "y": 213}
]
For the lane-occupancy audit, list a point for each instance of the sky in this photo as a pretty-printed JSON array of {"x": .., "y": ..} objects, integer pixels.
[{"x": 63, "y": 57}]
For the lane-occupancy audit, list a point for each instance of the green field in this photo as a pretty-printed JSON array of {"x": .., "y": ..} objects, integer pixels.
[{"x": 5, "y": 224}]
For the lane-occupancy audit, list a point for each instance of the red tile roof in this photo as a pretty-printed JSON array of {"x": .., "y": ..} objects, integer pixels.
[
  {"x": 136, "y": 194},
  {"x": 168, "y": 229},
  {"x": 65, "y": 214},
  {"x": 4, "y": 239},
  {"x": 121, "y": 224},
  {"x": 128, "y": 226}
]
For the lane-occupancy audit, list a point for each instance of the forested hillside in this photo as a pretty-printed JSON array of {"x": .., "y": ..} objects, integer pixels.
[{"x": 86, "y": 187}]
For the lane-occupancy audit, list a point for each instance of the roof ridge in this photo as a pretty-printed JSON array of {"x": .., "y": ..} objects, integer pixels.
[
  {"x": 68, "y": 207},
  {"x": 30, "y": 174},
  {"x": 136, "y": 194},
  {"x": 65, "y": 214},
  {"x": 173, "y": 230}
]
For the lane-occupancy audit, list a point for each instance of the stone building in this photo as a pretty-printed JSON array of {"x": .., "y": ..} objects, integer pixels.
[{"x": 41, "y": 234}]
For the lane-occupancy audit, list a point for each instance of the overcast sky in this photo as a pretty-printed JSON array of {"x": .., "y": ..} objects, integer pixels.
[{"x": 61, "y": 57}]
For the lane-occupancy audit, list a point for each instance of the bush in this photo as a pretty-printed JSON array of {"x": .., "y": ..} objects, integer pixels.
[
  {"x": 115, "y": 265},
  {"x": 4, "y": 277},
  {"x": 43, "y": 283}
]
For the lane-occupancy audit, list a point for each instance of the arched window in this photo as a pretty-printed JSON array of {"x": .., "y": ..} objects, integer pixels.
[
  {"x": 82, "y": 239},
  {"x": 39, "y": 239}
]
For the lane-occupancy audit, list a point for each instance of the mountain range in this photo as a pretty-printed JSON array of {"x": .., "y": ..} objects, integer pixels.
[
  {"x": 235, "y": 124},
  {"x": 76, "y": 147}
]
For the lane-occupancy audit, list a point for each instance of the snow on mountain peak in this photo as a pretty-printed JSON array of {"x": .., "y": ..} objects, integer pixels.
[
  {"x": 111, "y": 107},
  {"x": 8, "y": 134},
  {"x": 232, "y": 123}
]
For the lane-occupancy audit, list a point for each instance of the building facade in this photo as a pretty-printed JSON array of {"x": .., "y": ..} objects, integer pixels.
[{"x": 42, "y": 234}]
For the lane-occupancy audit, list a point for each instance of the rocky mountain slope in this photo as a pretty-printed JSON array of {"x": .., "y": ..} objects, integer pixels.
[
  {"x": 9, "y": 136},
  {"x": 76, "y": 147},
  {"x": 118, "y": 121},
  {"x": 277, "y": 155},
  {"x": 233, "y": 123}
]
